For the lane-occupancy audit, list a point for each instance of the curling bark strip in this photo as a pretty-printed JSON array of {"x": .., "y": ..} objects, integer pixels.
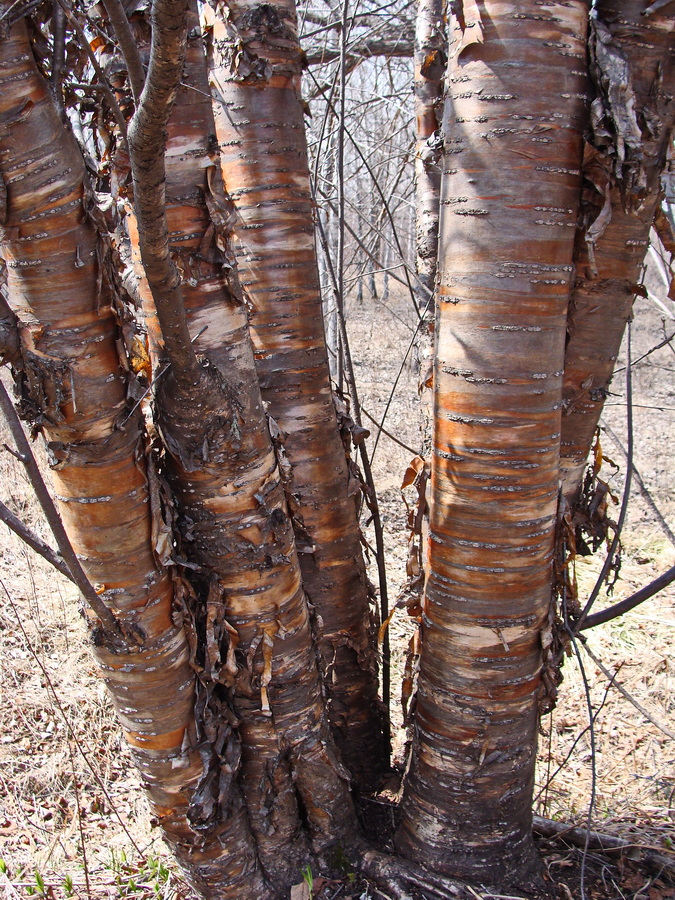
[
  {"x": 634, "y": 59},
  {"x": 259, "y": 681},
  {"x": 430, "y": 61},
  {"x": 74, "y": 388},
  {"x": 255, "y": 77},
  {"x": 508, "y": 210}
]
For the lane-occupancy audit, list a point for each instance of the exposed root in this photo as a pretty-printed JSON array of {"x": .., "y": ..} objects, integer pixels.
[
  {"x": 397, "y": 877},
  {"x": 650, "y": 859}
]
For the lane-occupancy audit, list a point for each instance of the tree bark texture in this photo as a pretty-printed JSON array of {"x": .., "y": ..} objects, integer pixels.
[
  {"x": 255, "y": 78},
  {"x": 74, "y": 388},
  {"x": 633, "y": 62},
  {"x": 430, "y": 62},
  {"x": 260, "y": 692},
  {"x": 508, "y": 211}
]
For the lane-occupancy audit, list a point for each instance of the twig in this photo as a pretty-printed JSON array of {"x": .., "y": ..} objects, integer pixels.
[
  {"x": 340, "y": 286},
  {"x": 66, "y": 721},
  {"x": 83, "y": 842},
  {"x": 594, "y": 773},
  {"x": 663, "y": 343},
  {"x": 583, "y": 731},
  {"x": 368, "y": 476},
  {"x": 643, "y": 487},
  {"x": 132, "y": 58},
  {"x": 84, "y": 43},
  {"x": 28, "y": 536},
  {"x": 624, "y": 606},
  {"x": 385, "y": 203},
  {"x": 606, "y": 843},
  {"x": 578, "y": 625},
  {"x": 388, "y": 433},
  {"x": 624, "y": 693},
  {"x": 107, "y": 618},
  {"x": 58, "y": 56}
]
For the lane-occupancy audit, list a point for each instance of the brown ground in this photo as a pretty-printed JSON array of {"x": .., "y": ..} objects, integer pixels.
[{"x": 70, "y": 807}]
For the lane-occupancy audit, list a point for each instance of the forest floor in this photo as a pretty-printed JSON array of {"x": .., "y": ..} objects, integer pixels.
[{"x": 73, "y": 820}]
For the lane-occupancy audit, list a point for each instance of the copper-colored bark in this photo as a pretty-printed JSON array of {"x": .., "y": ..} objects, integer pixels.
[
  {"x": 255, "y": 75},
  {"x": 256, "y": 651},
  {"x": 74, "y": 388},
  {"x": 606, "y": 279},
  {"x": 509, "y": 200}
]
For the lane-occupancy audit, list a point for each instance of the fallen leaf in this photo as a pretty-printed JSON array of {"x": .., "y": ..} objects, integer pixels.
[{"x": 300, "y": 891}]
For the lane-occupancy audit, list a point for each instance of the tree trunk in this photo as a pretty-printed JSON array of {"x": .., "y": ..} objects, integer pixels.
[
  {"x": 261, "y": 695},
  {"x": 632, "y": 62},
  {"x": 74, "y": 388},
  {"x": 509, "y": 202},
  {"x": 430, "y": 62},
  {"x": 255, "y": 77}
]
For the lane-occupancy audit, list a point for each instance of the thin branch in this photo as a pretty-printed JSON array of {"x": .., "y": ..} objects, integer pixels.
[
  {"x": 28, "y": 536},
  {"x": 107, "y": 90},
  {"x": 579, "y": 624},
  {"x": 624, "y": 606},
  {"x": 594, "y": 773},
  {"x": 126, "y": 40},
  {"x": 147, "y": 148},
  {"x": 108, "y": 619},
  {"x": 18, "y": 10},
  {"x": 368, "y": 475},
  {"x": 643, "y": 487},
  {"x": 340, "y": 283},
  {"x": 624, "y": 693},
  {"x": 387, "y": 208},
  {"x": 605, "y": 843},
  {"x": 659, "y": 346},
  {"x": 58, "y": 56},
  {"x": 388, "y": 433},
  {"x": 74, "y": 735}
]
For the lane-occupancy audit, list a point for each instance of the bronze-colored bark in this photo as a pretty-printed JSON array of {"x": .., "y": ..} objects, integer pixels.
[
  {"x": 74, "y": 388},
  {"x": 509, "y": 201},
  {"x": 256, "y": 655},
  {"x": 255, "y": 77},
  {"x": 634, "y": 113},
  {"x": 430, "y": 62}
]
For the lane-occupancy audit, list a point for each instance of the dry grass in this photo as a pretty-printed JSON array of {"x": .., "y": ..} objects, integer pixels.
[{"x": 70, "y": 804}]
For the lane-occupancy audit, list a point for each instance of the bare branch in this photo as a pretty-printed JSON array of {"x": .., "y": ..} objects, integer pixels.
[
  {"x": 84, "y": 43},
  {"x": 624, "y": 606},
  {"x": 147, "y": 144},
  {"x": 120, "y": 23},
  {"x": 29, "y": 537},
  {"x": 393, "y": 41},
  {"x": 624, "y": 693},
  {"x": 605, "y": 843}
]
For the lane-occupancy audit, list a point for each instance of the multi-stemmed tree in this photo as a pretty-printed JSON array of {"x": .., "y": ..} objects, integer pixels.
[{"x": 204, "y": 478}]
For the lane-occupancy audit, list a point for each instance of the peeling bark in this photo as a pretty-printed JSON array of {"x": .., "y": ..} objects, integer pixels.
[
  {"x": 633, "y": 116},
  {"x": 260, "y": 691},
  {"x": 508, "y": 210},
  {"x": 74, "y": 388},
  {"x": 255, "y": 79},
  {"x": 430, "y": 61}
]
